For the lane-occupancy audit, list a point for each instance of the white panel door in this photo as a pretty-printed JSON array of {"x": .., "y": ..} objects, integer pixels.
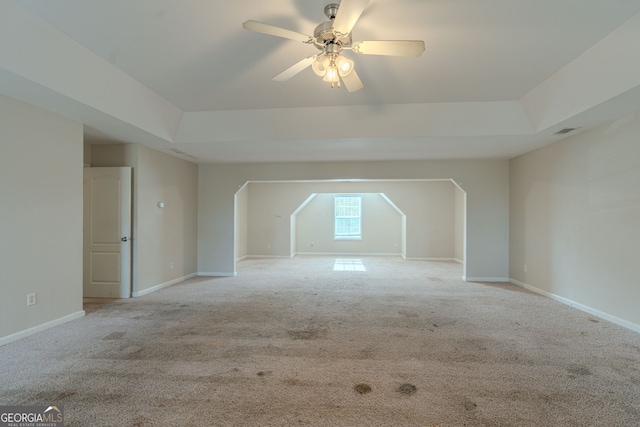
[{"x": 107, "y": 232}]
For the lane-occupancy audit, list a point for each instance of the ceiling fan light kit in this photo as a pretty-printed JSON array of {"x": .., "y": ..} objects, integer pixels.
[
  {"x": 332, "y": 66},
  {"x": 331, "y": 38}
]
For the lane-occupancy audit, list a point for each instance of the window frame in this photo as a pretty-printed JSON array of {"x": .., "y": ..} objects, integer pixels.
[{"x": 337, "y": 217}]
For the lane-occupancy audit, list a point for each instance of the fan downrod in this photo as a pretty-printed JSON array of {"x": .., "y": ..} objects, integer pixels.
[{"x": 331, "y": 10}]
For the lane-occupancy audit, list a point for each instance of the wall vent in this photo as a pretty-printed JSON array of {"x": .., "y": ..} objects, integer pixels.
[
  {"x": 182, "y": 153},
  {"x": 564, "y": 131}
]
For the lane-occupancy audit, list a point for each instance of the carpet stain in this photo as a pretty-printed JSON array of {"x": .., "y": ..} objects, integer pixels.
[
  {"x": 129, "y": 350},
  {"x": 64, "y": 395},
  {"x": 362, "y": 388},
  {"x": 627, "y": 370},
  {"x": 578, "y": 370},
  {"x": 308, "y": 334},
  {"x": 114, "y": 336},
  {"x": 264, "y": 373},
  {"x": 470, "y": 406},
  {"x": 139, "y": 422},
  {"x": 407, "y": 389},
  {"x": 594, "y": 321},
  {"x": 408, "y": 314},
  {"x": 168, "y": 351},
  {"x": 368, "y": 352},
  {"x": 399, "y": 335}
]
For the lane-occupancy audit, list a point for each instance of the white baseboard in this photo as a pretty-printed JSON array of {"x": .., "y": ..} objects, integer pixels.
[
  {"x": 581, "y": 307},
  {"x": 486, "y": 279},
  {"x": 458, "y": 260},
  {"x": 162, "y": 285},
  {"x": 42, "y": 327},
  {"x": 349, "y": 254},
  {"x": 216, "y": 274},
  {"x": 431, "y": 259},
  {"x": 269, "y": 256},
  {"x": 242, "y": 257}
]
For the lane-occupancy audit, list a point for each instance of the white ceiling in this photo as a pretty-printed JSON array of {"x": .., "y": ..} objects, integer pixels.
[{"x": 498, "y": 77}]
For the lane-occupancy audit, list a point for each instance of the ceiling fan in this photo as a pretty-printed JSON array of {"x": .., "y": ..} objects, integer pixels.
[{"x": 331, "y": 38}]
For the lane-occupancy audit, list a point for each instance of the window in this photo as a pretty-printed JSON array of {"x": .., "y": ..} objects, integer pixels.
[{"x": 348, "y": 210}]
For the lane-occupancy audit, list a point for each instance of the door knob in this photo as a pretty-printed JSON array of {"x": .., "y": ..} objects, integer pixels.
[{"x": 124, "y": 239}]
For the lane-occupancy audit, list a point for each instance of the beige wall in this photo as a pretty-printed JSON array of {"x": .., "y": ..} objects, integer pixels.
[
  {"x": 163, "y": 237},
  {"x": 242, "y": 210},
  {"x": 575, "y": 221},
  {"x": 459, "y": 221},
  {"x": 486, "y": 183},
  {"x": 41, "y": 211},
  {"x": 381, "y": 228},
  {"x": 113, "y": 155},
  {"x": 86, "y": 155},
  {"x": 167, "y": 235}
]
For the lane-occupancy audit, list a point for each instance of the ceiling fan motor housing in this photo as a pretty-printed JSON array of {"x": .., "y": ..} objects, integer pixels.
[
  {"x": 324, "y": 32},
  {"x": 324, "y": 35}
]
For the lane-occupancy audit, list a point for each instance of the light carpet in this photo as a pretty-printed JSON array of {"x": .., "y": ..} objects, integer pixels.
[{"x": 295, "y": 342}]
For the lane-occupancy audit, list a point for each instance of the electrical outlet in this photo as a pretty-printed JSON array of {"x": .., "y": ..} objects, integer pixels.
[
  {"x": 172, "y": 265},
  {"x": 31, "y": 299},
  {"x": 312, "y": 244},
  {"x": 525, "y": 268}
]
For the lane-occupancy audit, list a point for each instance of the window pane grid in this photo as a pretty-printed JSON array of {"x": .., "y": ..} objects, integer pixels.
[{"x": 347, "y": 216}]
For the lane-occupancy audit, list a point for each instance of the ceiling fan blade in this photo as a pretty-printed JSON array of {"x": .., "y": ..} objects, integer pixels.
[
  {"x": 260, "y": 27},
  {"x": 349, "y": 12},
  {"x": 390, "y": 47},
  {"x": 295, "y": 69},
  {"x": 352, "y": 81}
]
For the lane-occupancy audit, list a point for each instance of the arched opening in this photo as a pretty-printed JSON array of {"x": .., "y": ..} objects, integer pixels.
[{"x": 414, "y": 219}]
